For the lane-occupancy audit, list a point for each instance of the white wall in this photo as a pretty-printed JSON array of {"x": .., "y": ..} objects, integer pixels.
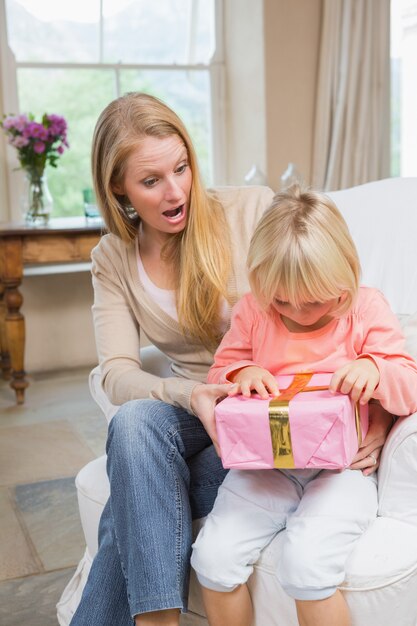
[
  {"x": 292, "y": 43},
  {"x": 245, "y": 88},
  {"x": 271, "y": 54}
]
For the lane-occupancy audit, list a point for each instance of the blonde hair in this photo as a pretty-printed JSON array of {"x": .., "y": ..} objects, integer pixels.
[
  {"x": 302, "y": 250},
  {"x": 200, "y": 254}
]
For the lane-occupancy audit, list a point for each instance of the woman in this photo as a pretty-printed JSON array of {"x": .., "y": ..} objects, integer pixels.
[{"x": 171, "y": 267}]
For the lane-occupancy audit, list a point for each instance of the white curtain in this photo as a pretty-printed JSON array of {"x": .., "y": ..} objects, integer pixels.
[{"x": 352, "y": 121}]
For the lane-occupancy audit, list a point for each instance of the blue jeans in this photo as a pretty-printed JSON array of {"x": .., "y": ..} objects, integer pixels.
[{"x": 163, "y": 472}]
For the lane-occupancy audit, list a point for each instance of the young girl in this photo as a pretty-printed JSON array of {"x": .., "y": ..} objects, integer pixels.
[{"x": 306, "y": 312}]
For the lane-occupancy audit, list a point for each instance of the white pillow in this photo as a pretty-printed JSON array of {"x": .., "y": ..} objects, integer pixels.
[{"x": 382, "y": 218}]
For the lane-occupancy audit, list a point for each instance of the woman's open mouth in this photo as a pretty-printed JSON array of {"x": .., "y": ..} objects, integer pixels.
[{"x": 175, "y": 215}]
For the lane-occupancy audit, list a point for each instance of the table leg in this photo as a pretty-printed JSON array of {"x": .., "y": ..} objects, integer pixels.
[
  {"x": 15, "y": 331},
  {"x": 4, "y": 351},
  {"x": 11, "y": 272}
]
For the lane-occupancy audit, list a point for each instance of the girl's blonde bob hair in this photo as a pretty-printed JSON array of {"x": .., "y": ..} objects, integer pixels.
[
  {"x": 200, "y": 254},
  {"x": 302, "y": 252}
]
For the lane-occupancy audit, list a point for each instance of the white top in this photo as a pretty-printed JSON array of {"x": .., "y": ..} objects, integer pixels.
[{"x": 165, "y": 298}]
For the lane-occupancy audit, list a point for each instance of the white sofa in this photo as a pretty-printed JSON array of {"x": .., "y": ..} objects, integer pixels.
[{"x": 381, "y": 573}]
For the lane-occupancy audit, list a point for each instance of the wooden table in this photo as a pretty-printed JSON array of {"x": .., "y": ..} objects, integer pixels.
[{"x": 63, "y": 240}]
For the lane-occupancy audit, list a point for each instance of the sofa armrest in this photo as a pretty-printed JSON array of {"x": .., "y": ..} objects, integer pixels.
[
  {"x": 397, "y": 474},
  {"x": 153, "y": 361}
]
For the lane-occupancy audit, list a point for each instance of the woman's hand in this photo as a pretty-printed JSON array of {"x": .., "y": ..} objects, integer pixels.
[
  {"x": 368, "y": 455},
  {"x": 256, "y": 379},
  {"x": 203, "y": 400},
  {"x": 358, "y": 378}
]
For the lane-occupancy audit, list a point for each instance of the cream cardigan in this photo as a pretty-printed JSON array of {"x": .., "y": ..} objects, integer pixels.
[{"x": 122, "y": 310}]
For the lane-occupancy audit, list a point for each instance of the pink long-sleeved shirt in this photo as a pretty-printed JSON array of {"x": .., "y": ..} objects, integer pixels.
[{"x": 370, "y": 328}]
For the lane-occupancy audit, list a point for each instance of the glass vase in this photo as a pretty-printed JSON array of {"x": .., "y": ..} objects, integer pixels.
[{"x": 39, "y": 202}]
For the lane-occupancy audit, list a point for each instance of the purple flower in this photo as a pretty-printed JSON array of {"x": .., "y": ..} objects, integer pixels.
[
  {"x": 39, "y": 147},
  {"x": 21, "y": 123},
  {"x": 17, "y": 122},
  {"x": 7, "y": 123},
  {"x": 37, "y": 143},
  {"x": 35, "y": 131},
  {"x": 57, "y": 121},
  {"x": 19, "y": 141}
]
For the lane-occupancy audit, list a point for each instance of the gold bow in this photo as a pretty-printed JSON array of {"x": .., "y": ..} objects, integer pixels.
[{"x": 279, "y": 422}]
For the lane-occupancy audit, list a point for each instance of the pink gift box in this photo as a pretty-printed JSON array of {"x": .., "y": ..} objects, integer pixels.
[{"x": 323, "y": 430}]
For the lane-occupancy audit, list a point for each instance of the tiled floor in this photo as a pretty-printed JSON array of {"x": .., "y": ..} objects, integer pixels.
[{"x": 43, "y": 444}]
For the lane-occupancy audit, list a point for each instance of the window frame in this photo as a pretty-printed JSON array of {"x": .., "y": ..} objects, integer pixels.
[
  {"x": 403, "y": 95},
  {"x": 12, "y": 180}
]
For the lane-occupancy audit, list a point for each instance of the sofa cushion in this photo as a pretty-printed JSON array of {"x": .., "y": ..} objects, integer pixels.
[{"x": 381, "y": 215}]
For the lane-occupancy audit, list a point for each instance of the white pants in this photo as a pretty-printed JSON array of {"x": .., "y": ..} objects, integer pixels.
[{"x": 324, "y": 513}]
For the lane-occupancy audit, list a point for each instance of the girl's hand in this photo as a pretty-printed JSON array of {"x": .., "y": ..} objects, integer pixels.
[
  {"x": 203, "y": 400},
  {"x": 256, "y": 379},
  {"x": 368, "y": 455},
  {"x": 358, "y": 378}
]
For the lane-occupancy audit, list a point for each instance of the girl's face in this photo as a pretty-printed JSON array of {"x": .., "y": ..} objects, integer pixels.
[
  {"x": 158, "y": 183},
  {"x": 309, "y": 316}
]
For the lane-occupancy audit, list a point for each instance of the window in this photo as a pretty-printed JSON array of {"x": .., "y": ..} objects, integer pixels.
[
  {"x": 403, "y": 88},
  {"x": 73, "y": 57}
]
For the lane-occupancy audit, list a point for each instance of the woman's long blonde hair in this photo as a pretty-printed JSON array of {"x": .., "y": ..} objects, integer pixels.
[
  {"x": 302, "y": 250},
  {"x": 200, "y": 254}
]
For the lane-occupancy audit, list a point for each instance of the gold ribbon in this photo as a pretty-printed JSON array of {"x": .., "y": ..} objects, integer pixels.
[{"x": 279, "y": 421}]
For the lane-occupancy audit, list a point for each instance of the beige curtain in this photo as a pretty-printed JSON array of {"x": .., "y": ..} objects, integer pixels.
[
  {"x": 4, "y": 194},
  {"x": 10, "y": 180},
  {"x": 352, "y": 121}
]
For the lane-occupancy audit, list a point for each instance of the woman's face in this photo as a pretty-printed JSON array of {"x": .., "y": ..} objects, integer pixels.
[{"x": 158, "y": 183}]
